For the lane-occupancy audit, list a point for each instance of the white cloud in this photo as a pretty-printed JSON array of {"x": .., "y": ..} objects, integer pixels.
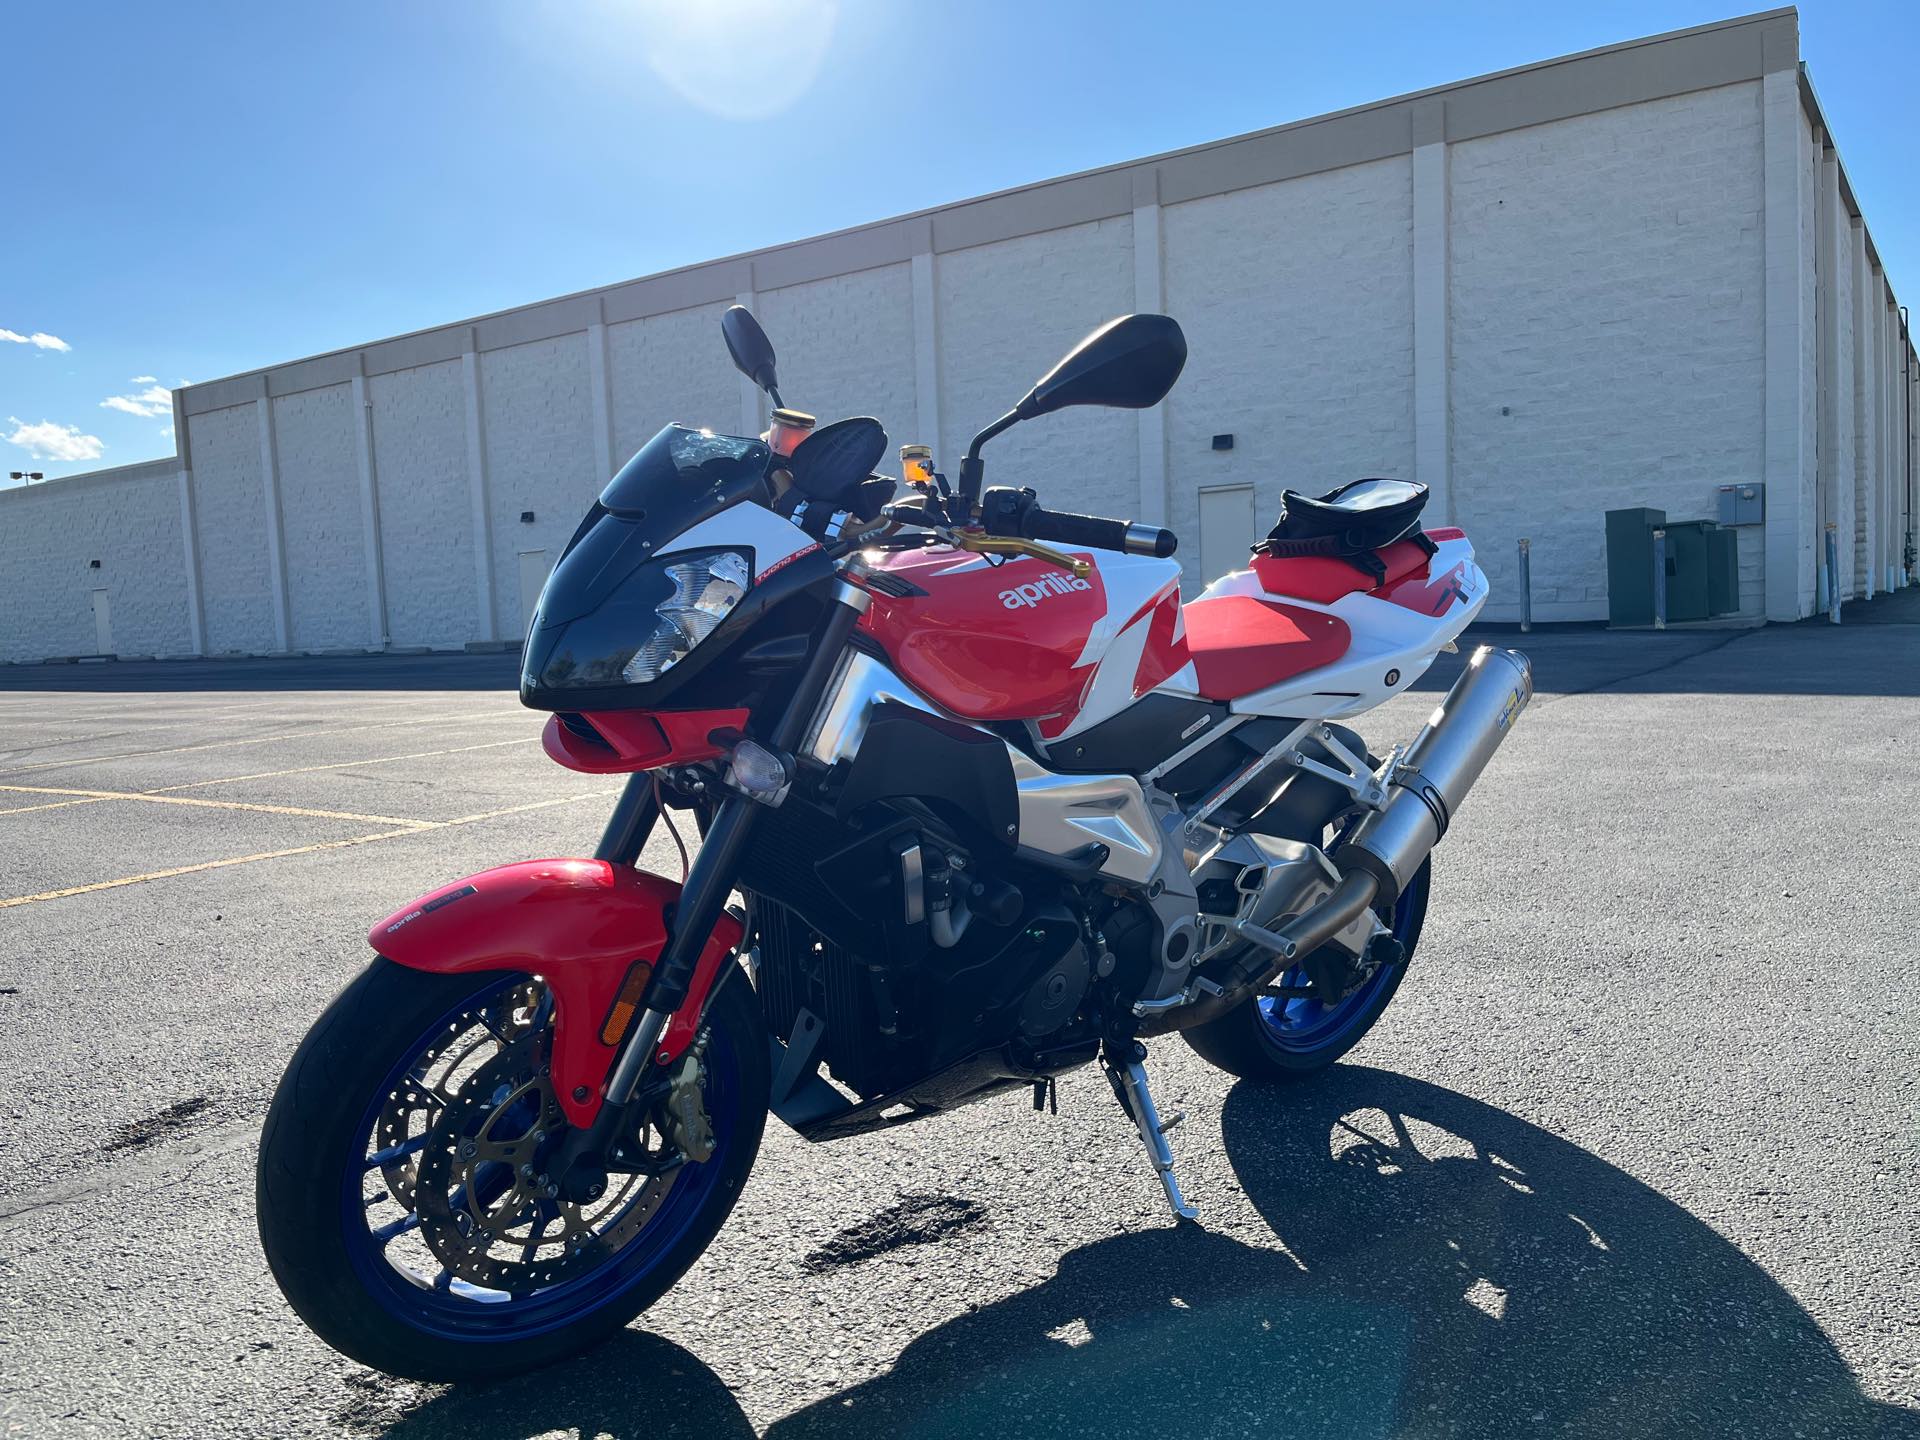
[
  {"x": 148, "y": 404},
  {"x": 48, "y": 441},
  {"x": 39, "y": 339},
  {"x": 144, "y": 380},
  {"x": 166, "y": 432}
]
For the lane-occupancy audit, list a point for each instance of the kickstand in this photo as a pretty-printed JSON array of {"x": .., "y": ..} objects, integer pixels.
[{"x": 1129, "y": 1081}]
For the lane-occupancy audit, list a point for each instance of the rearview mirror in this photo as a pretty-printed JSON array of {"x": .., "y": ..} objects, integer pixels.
[
  {"x": 751, "y": 350},
  {"x": 1129, "y": 363}
]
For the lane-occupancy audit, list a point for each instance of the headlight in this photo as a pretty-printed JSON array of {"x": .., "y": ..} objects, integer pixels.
[{"x": 706, "y": 587}]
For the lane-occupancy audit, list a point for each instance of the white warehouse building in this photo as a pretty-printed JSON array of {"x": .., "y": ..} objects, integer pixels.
[{"x": 1624, "y": 278}]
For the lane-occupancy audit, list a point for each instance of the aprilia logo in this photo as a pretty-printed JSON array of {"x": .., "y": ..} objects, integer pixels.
[{"x": 1023, "y": 596}]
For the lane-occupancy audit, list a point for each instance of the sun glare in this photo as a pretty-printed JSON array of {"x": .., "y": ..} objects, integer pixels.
[{"x": 738, "y": 59}]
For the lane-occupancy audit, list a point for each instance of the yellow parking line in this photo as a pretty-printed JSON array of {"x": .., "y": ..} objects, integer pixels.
[
  {"x": 344, "y": 765},
  {"x": 277, "y": 738},
  {"x": 297, "y": 850},
  {"x": 224, "y": 805},
  {"x": 50, "y": 805}
]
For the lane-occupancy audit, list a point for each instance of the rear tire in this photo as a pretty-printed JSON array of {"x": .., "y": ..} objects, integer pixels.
[
  {"x": 1247, "y": 1042},
  {"x": 313, "y": 1153}
]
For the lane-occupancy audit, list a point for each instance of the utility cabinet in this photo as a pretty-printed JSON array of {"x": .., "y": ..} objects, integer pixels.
[
  {"x": 1688, "y": 593},
  {"x": 1723, "y": 572},
  {"x": 1630, "y": 564}
]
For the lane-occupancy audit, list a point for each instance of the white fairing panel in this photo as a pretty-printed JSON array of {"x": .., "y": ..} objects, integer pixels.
[
  {"x": 1389, "y": 646},
  {"x": 775, "y": 541},
  {"x": 1136, "y": 586}
]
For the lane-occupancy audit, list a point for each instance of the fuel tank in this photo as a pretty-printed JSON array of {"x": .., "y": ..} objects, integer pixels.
[{"x": 1024, "y": 640}]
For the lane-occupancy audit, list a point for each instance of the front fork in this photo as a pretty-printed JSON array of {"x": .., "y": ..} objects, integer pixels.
[{"x": 581, "y": 1162}]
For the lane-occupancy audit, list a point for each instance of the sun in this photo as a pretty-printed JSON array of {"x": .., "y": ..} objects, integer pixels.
[{"x": 737, "y": 59}]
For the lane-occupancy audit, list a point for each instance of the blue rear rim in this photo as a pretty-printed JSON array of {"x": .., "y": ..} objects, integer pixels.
[
  {"x": 1301, "y": 1026},
  {"x": 423, "y": 1296}
]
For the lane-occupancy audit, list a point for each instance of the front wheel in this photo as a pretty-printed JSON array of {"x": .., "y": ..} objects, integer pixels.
[
  {"x": 403, "y": 1203},
  {"x": 1268, "y": 1037}
]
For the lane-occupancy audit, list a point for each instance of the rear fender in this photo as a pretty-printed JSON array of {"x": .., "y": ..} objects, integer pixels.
[{"x": 582, "y": 925}]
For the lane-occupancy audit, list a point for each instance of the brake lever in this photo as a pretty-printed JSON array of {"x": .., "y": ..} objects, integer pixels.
[{"x": 981, "y": 543}]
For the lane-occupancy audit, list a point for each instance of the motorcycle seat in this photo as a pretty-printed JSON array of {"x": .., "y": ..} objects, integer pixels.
[
  {"x": 1323, "y": 579},
  {"x": 1241, "y": 643}
]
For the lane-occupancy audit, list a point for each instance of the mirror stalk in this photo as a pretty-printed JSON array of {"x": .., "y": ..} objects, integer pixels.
[{"x": 973, "y": 469}]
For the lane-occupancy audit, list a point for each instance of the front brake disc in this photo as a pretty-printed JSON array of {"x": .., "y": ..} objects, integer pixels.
[{"x": 489, "y": 1210}]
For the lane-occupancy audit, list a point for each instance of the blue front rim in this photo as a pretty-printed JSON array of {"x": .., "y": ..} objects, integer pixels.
[
  {"x": 407, "y": 1280},
  {"x": 1303, "y": 1026}
]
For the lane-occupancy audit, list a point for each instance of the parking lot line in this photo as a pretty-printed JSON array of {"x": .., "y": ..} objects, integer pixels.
[
  {"x": 277, "y": 737},
  {"x": 49, "y": 805},
  {"x": 318, "y": 845},
  {"x": 344, "y": 765},
  {"x": 223, "y": 805}
]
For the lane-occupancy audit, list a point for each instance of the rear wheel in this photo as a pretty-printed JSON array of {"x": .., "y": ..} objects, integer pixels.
[
  {"x": 403, "y": 1201},
  {"x": 1290, "y": 1037}
]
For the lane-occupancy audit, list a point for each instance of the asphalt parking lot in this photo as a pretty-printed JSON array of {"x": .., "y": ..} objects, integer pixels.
[{"x": 1633, "y": 1152}]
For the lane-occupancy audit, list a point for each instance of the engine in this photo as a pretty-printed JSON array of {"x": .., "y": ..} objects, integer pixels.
[{"x": 900, "y": 955}]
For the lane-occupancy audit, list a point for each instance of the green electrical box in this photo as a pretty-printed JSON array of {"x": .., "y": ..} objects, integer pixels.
[
  {"x": 1688, "y": 545},
  {"x": 1630, "y": 565},
  {"x": 1723, "y": 572}
]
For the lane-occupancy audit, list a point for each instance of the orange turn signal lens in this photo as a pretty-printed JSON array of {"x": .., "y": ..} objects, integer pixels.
[{"x": 626, "y": 1003}]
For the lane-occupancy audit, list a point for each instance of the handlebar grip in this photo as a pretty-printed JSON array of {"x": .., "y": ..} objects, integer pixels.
[{"x": 1096, "y": 532}]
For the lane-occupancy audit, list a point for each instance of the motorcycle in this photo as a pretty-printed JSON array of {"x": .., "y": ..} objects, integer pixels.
[{"x": 997, "y": 805}]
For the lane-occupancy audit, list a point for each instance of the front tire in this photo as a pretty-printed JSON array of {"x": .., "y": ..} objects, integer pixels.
[
  {"x": 1268, "y": 1039},
  {"x": 352, "y": 1153}
]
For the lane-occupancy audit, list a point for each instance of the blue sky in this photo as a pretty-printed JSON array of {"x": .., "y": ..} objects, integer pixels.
[{"x": 194, "y": 190}]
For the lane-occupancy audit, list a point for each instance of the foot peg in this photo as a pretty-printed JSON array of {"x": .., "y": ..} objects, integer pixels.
[{"x": 1130, "y": 1085}]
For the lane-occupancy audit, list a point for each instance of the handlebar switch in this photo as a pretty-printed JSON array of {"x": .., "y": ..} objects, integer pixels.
[{"x": 1004, "y": 510}]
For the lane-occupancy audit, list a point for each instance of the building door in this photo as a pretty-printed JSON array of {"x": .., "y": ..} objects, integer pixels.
[
  {"x": 102, "y": 624},
  {"x": 533, "y": 577},
  {"x": 1226, "y": 530}
]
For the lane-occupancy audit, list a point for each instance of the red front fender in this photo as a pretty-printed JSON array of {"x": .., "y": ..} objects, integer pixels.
[{"x": 581, "y": 924}]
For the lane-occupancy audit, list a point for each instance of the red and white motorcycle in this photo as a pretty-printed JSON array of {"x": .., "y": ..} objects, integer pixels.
[{"x": 998, "y": 805}]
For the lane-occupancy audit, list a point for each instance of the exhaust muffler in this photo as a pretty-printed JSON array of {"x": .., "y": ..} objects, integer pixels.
[
  {"x": 1385, "y": 851},
  {"x": 1438, "y": 770}
]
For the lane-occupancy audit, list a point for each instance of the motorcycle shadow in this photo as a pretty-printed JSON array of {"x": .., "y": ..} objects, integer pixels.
[{"x": 1441, "y": 1267}]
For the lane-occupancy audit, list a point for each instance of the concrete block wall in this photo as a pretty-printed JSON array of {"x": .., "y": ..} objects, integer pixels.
[
  {"x": 669, "y": 368},
  {"x": 537, "y": 408},
  {"x": 1297, "y": 302},
  {"x": 1807, "y": 524},
  {"x": 232, "y": 537},
  {"x": 1007, "y": 312},
  {"x": 128, "y": 519},
  {"x": 1840, "y": 456},
  {"x": 421, "y": 478},
  {"x": 326, "y": 542},
  {"x": 1623, "y": 278},
  {"x": 1608, "y": 340},
  {"x": 846, "y": 347}
]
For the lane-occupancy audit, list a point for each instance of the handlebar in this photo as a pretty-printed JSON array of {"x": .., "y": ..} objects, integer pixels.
[
  {"x": 1098, "y": 533},
  {"x": 1005, "y": 511}
]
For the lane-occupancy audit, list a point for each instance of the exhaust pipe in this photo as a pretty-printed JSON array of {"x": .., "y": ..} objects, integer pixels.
[
  {"x": 1439, "y": 769},
  {"x": 1379, "y": 858}
]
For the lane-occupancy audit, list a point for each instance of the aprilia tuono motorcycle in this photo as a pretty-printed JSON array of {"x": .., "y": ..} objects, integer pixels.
[{"x": 995, "y": 803}]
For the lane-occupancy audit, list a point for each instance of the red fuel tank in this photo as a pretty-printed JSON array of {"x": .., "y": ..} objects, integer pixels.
[{"x": 1025, "y": 640}]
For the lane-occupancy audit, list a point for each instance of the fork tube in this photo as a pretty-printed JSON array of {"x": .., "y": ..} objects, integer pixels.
[
  {"x": 631, "y": 822},
  {"x": 710, "y": 879}
]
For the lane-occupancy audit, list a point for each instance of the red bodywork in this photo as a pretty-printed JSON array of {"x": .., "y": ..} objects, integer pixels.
[
  {"x": 1011, "y": 642},
  {"x": 581, "y": 925},
  {"x": 642, "y": 739},
  {"x": 1323, "y": 579},
  {"x": 1241, "y": 644}
]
